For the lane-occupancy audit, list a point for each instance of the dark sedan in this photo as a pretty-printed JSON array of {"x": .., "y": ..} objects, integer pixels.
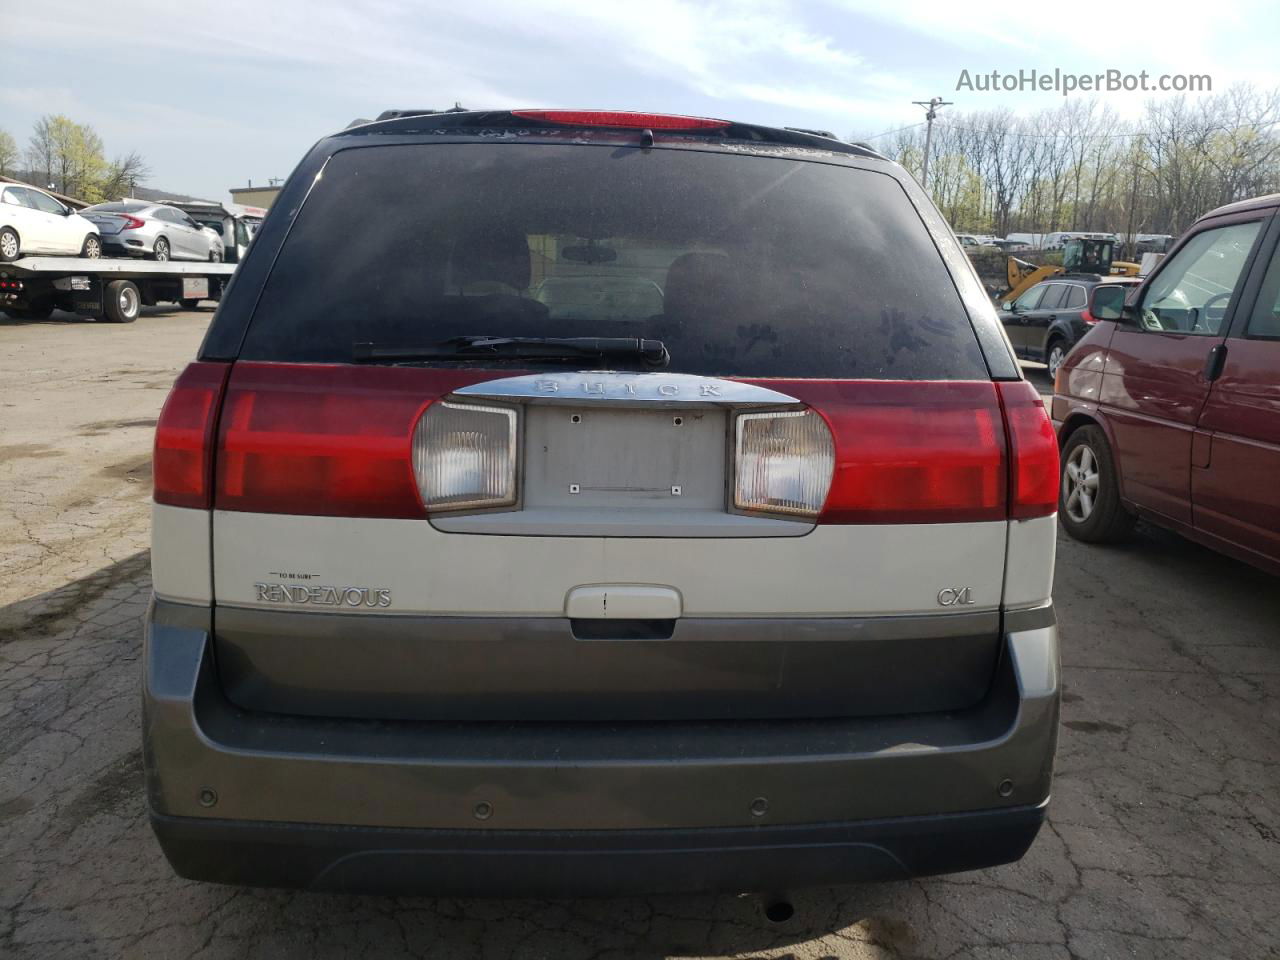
[{"x": 1046, "y": 321}]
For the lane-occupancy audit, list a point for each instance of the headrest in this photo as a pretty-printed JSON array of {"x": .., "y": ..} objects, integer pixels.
[
  {"x": 697, "y": 282},
  {"x": 492, "y": 256}
]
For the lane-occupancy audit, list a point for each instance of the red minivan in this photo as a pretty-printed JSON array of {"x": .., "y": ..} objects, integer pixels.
[{"x": 1169, "y": 408}]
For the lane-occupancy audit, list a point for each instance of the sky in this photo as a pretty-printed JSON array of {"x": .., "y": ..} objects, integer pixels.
[{"x": 215, "y": 94}]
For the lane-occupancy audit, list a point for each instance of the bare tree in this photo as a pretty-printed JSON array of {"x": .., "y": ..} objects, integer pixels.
[
  {"x": 123, "y": 174},
  {"x": 1080, "y": 167},
  {"x": 40, "y": 150}
]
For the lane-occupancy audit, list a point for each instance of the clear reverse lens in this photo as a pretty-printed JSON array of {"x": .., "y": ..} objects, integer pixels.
[
  {"x": 784, "y": 462},
  {"x": 464, "y": 456}
]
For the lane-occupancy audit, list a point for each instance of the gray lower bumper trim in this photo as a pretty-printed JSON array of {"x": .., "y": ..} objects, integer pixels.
[
  {"x": 593, "y": 776},
  {"x": 586, "y": 863}
]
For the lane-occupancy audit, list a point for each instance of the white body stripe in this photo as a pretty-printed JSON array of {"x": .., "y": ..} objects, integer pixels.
[
  {"x": 1029, "y": 577},
  {"x": 180, "y": 554},
  {"x": 834, "y": 571}
]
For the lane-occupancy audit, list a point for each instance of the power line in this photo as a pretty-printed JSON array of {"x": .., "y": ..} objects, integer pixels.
[{"x": 890, "y": 133}]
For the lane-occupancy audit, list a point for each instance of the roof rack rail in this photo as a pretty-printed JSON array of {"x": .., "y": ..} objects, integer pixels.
[
  {"x": 813, "y": 133},
  {"x": 397, "y": 114}
]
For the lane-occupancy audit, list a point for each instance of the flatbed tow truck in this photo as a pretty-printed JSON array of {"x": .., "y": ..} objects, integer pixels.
[{"x": 113, "y": 290}]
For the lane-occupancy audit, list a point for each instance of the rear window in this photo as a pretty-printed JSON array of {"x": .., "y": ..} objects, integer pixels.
[
  {"x": 742, "y": 265},
  {"x": 120, "y": 207}
]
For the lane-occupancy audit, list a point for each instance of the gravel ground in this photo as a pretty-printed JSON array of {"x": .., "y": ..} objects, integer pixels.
[{"x": 1163, "y": 838}]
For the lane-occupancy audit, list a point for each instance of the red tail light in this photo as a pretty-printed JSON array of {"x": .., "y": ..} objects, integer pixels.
[
  {"x": 325, "y": 440},
  {"x": 622, "y": 118},
  {"x": 132, "y": 223},
  {"x": 910, "y": 452},
  {"x": 934, "y": 452},
  {"x": 337, "y": 440},
  {"x": 1033, "y": 457},
  {"x": 184, "y": 437},
  {"x": 1088, "y": 317}
]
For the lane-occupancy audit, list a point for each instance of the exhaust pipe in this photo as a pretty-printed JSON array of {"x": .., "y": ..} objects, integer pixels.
[{"x": 778, "y": 910}]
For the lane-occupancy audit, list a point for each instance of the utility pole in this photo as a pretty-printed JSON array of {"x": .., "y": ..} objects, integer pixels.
[{"x": 930, "y": 112}]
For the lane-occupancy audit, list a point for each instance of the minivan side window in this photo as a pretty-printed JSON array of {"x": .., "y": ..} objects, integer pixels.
[
  {"x": 1264, "y": 322},
  {"x": 1191, "y": 295}
]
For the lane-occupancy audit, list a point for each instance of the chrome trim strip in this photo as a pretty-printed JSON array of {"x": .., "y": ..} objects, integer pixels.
[
  {"x": 622, "y": 388},
  {"x": 1030, "y": 618}
]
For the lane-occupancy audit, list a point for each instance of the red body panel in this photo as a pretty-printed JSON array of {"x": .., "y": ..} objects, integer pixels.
[
  {"x": 1237, "y": 495},
  {"x": 1199, "y": 456},
  {"x": 1153, "y": 389}
]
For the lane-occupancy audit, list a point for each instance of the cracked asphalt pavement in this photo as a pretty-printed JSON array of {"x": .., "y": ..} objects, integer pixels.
[{"x": 1163, "y": 838}]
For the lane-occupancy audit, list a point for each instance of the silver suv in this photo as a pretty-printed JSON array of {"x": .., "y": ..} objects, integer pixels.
[{"x": 735, "y": 577}]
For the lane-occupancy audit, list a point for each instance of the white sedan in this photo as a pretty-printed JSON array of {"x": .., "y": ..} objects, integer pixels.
[{"x": 31, "y": 221}]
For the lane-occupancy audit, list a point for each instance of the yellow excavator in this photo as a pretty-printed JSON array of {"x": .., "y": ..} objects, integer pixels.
[{"x": 1080, "y": 255}]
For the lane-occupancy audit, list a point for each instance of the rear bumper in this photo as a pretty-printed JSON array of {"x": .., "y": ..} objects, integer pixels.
[
  {"x": 121, "y": 247},
  {"x": 497, "y": 863},
  {"x": 568, "y": 808}
]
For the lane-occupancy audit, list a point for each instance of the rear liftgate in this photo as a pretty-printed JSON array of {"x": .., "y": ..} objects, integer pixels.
[{"x": 612, "y": 546}]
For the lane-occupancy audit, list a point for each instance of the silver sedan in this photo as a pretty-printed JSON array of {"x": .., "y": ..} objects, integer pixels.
[{"x": 136, "y": 228}]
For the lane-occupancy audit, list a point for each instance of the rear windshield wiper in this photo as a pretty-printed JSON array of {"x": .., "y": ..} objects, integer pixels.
[{"x": 652, "y": 353}]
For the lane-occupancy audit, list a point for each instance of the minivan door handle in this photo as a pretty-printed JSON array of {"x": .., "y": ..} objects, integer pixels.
[{"x": 1215, "y": 361}]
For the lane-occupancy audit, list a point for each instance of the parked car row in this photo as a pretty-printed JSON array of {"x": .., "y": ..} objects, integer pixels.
[
  {"x": 35, "y": 222},
  {"x": 1135, "y": 245}
]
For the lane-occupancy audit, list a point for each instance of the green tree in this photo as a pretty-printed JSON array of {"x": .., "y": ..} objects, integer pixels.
[
  {"x": 8, "y": 154},
  {"x": 68, "y": 155}
]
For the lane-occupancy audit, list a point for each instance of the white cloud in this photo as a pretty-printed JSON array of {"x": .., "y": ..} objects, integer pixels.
[
  {"x": 713, "y": 48},
  {"x": 272, "y": 76},
  {"x": 1174, "y": 36}
]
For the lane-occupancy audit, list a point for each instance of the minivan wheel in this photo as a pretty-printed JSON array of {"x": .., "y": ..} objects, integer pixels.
[
  {"x": 161, "y": 249},
  {"x": 121, "y": 301},
  {"x": 9, "y": 245},
  {"x": 1089, "y": 495},
  {"x": 92, "y": 248},
  {"x": 1056, "y": 354}
]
